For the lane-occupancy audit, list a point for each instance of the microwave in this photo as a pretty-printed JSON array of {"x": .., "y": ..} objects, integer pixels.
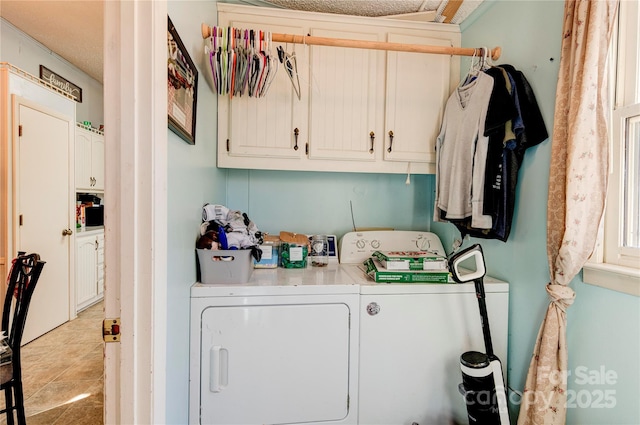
[{"x": 94, "y": 216}]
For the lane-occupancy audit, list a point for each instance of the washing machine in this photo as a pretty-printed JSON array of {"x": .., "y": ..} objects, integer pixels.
[{"x": 412, "y": 335}]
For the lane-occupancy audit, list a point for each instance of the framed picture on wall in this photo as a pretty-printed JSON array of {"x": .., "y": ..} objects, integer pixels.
[
  {"x": 61, "y": 83},
  {"x": 182, "y": 86}
]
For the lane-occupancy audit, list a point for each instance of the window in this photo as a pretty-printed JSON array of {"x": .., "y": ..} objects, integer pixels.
[{"x": 616, "y": 261}]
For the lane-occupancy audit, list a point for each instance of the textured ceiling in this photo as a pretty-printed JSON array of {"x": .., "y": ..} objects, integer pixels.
[
  {"x": 377, "y": 7},
  {"x": 73, "y": 29},
  {"x": 359, "y": 7}
]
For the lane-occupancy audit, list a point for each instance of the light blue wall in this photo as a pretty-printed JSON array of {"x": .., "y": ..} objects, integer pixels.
[
  {"x": 603, "y": 325},
  {"x": 24, "y": 52},
  {"x": 316, "y": 202},
  {"x": 193, "y": 180}
]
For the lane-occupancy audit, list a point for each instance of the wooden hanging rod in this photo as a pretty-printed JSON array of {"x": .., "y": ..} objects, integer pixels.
[{"x": 375, "y": 45}]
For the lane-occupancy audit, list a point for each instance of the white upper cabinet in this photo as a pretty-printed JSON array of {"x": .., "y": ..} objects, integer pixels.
[
  {"x": 354, "y": 104},
  {"x": 89, "y": 161},
  {"x": 417, "y": 90},
  {"x": 264, "y": 127},
  {"x": 346, "y": 98}
]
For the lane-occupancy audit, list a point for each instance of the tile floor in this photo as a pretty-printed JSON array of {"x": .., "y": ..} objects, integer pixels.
[{"x": 62, "y": 373}]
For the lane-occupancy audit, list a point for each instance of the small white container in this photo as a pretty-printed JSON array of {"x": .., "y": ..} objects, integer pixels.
[{"x": 319, "y": 251}]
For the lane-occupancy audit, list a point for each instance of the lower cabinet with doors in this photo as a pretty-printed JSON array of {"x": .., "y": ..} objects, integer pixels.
[{"x": 89, "y": 268}]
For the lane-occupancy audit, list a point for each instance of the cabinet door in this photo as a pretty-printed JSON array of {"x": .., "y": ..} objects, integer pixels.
[
  {"x": 266, "y": 126},
  {"x": 83, "y": 160},
  {"x": 97, "y": 161},
  {"x": 274, "y": 364},
  {"x": 100, "y": 265},
  {"x": 86, "y": 277},
  {"x": 417, "y": 90},
  {"x": 346, "y": 98}
]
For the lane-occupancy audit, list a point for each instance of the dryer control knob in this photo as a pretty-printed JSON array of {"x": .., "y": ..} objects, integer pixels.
[
  {"x": 423, "y": 244},
  {"x": 373, "y": 309}
]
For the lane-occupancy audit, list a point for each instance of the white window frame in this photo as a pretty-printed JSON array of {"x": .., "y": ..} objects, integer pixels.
[{"x": 612, "y": 265}]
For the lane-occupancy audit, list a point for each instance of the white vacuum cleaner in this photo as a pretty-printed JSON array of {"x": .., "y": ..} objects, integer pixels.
[{"x": 482, "y": 380}]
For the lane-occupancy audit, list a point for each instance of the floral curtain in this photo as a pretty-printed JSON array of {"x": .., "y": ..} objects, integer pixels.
[{"x": 577, "y": 188}]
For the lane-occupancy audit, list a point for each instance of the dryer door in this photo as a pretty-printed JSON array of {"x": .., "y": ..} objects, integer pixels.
[{"x": 274, "y": 364}]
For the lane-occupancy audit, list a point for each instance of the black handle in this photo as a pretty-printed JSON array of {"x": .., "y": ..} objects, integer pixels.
[
  {"x": 296, "y": 132},
  {"x": 390, "y": 141},
  {"x": 484, "y": 317},
  {"x": 372, "y": 135}
]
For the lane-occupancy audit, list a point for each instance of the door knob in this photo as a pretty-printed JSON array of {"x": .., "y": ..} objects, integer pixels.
[{"x": 67, "y": 232}]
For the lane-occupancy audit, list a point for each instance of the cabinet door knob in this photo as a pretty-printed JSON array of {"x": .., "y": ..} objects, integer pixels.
[{"x": 67, "y": 232}]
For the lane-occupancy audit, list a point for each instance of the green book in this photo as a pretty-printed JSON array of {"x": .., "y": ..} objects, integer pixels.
[
  {"x": 374, "y": 269},
  {"x": 411, "y": 260}
]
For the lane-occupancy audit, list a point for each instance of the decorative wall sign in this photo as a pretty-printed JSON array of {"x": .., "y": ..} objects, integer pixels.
[
  {"x": 182, "y": 85},
  {"x": 61, "y": 83}
]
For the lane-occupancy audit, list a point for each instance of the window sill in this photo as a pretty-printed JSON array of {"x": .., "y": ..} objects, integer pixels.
[{"x": 617, "y": 278}]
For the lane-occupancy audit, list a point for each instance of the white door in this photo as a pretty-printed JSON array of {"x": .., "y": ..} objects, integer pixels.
[
  {"x": 44, "y": 210},
  {"x": 275, "y": 364}
]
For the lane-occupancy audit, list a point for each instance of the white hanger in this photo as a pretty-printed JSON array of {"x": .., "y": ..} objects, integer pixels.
[
  {"x": 486, "y": 59},
  {"x": 474, "y": 68}
]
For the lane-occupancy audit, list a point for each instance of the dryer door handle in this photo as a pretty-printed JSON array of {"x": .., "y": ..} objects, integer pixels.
[{"x": 218, "y": 368}]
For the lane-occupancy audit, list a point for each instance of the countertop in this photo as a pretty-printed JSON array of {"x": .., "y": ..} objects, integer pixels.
[
  {"x": 332, "y": 279},
  {"x": 88, "y": 230}
]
